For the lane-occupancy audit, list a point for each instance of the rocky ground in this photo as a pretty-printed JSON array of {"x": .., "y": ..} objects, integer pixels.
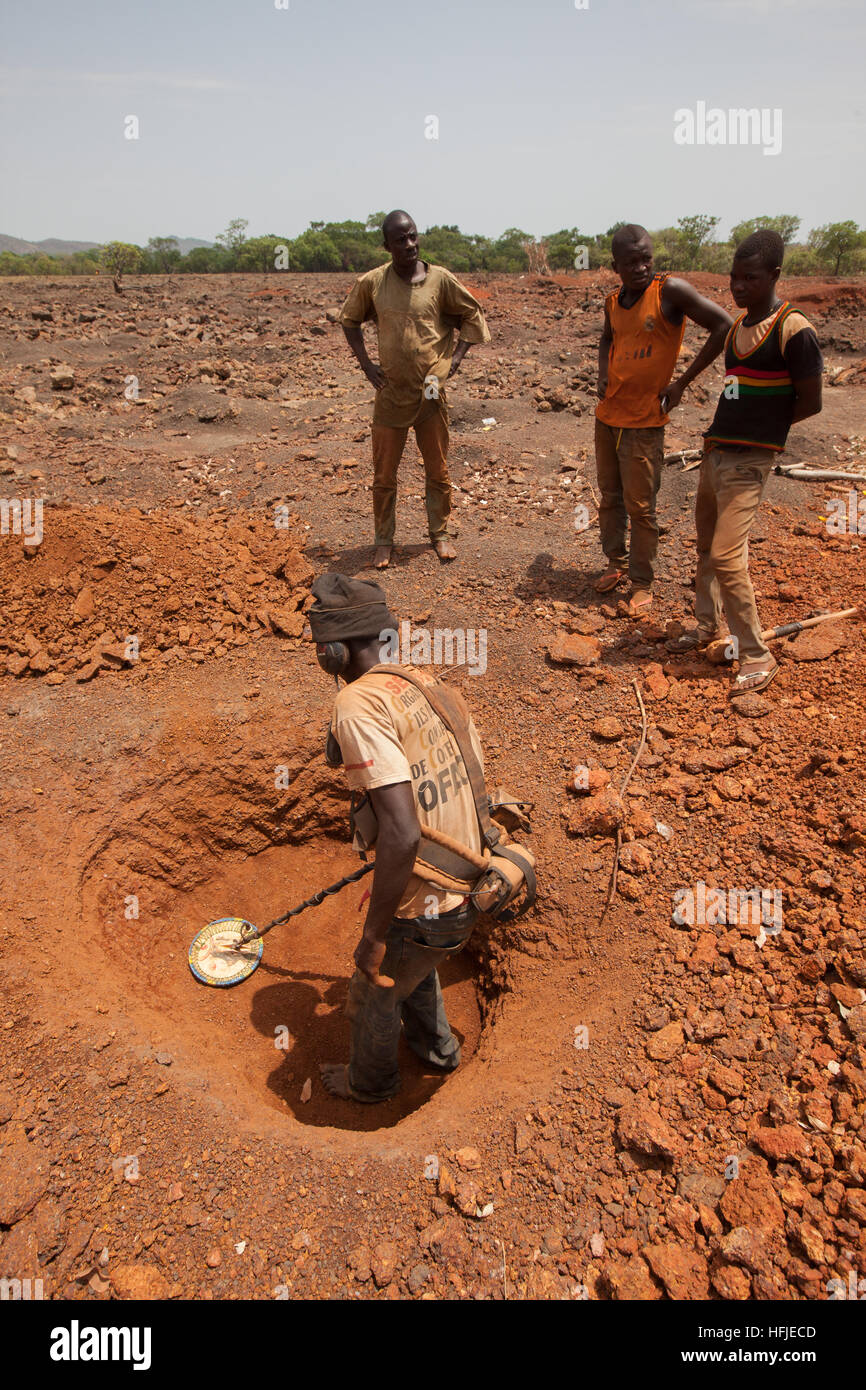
[{"x": 654, "y": 1102}]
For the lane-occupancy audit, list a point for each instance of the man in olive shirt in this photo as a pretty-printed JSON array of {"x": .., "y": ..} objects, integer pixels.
[{"x": 416, "y": 307}]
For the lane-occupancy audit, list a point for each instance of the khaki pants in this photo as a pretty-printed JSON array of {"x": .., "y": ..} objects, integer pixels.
[
  {"x": 730, "y": 488},
  {"x": 431, "y": 435},
  {"x": 629, "y": 468}
]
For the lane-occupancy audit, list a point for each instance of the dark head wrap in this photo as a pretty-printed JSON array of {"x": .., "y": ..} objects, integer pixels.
[{"x": 345, "y": 608}]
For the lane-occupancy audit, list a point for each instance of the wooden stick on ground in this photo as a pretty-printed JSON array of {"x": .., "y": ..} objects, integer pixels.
[{"x": 612, "y": 888}]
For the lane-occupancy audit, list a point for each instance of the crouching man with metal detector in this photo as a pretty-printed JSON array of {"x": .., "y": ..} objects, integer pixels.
[{"x": 408, "y": 745}]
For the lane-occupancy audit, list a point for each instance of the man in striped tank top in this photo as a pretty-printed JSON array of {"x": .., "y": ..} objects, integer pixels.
[
  {"x": 644, "y": 324},
  {"x": 773, "y": 369}
]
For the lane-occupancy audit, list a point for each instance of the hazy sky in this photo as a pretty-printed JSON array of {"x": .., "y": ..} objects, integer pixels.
[{"x": 549, "y": 116}]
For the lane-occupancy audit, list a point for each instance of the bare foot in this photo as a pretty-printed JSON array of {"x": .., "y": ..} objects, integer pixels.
[
  {"x": 382, "y": 557},
  {"x": 335, "y": 1079},
  {"x": 444, "y": 549}
]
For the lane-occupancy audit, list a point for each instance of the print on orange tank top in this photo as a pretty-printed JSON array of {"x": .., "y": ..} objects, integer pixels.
[{"x": 642, "y": 360}]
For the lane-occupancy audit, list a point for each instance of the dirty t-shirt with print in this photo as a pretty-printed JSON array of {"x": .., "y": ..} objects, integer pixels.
[{"x": 389, "y": 733}]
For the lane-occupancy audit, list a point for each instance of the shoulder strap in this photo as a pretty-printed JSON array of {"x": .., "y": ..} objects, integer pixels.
[{"x": 442, "y": 699}]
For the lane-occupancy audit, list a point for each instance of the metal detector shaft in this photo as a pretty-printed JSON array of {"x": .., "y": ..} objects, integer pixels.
[{"x": 314, "y": 901}]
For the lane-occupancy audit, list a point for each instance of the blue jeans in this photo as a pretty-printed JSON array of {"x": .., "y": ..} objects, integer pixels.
[{"x": 415, "y": 947}]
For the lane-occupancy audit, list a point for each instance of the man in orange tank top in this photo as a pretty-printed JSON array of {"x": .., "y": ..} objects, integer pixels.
[{"x": 644, "y": 323}]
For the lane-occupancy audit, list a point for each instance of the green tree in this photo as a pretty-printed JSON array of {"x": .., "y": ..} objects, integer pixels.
[
  {"x": 359, "y": 248},
  {"x": 507, "y": 253},
  {"x": 162, "y": 253},
  {"x": 694, "y": 232},
  {"x": 668, "y": 251},
  {"x": 313, "y": 250},
  {"x": 834, "y": 242},
  {"x": 802, "y": 260},
  {"x": 234, "y": 236},
  {"x": 560, "y": 248},
  {"x": 204, "y": 260},
  {"x": 785, "y": 224},
  {"x": 261, "y": 253},
  {"x": 120, "y": 258},
  {"x": 12, "y": 264}
]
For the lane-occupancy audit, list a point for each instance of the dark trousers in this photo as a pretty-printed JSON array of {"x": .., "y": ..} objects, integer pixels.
[{"x": 415, "y": 947}]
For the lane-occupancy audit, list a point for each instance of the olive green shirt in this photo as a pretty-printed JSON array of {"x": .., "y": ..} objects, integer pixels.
[{"x": 415, "y": 325}]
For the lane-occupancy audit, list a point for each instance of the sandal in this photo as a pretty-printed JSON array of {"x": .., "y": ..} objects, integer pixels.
[
  {"x": 640, "y": 601},
  {"x": 612, "y": 576},
  {"x": 693, "y": 641},
  {"x": 753, "y": 681}
]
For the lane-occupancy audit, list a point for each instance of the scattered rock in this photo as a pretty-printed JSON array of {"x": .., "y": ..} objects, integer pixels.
[
  {"x": 383, "y": 1263},
  {"x": 610, "y": 730},
  {"x": 664, "y": 1045},
  {"x": 597, "y": 815},
  {"x": 636, "y": 857},
  {"x": 572, "y": 649},
  {"x": 631, "y": 1282},
  {"x": 783, "y": 1142},
  {"x": 62, "y": 378},
  {"x": 139, "y": 1281},
  {"x": 751, "y": 706},
  {"x": 682, "y": 1271},
  {"x": 817, "y": 643},
  {"x": 751, "y": 1199},
  {"x": 23, "y": 1179},
  {"x": 360, "y": 1263},
  {"x": 468, "y": 1158},
  {"x": 641, "y": 1128},
  {"x": 730, "y": 1281}
]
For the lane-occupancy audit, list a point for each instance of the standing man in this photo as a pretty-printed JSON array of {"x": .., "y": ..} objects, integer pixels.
[
  {"x": 397, "y": 750},
  {"x": 773, "y": 370},
  {"x": 644, "y": 323},
  {"x": 416, "y": 307}
]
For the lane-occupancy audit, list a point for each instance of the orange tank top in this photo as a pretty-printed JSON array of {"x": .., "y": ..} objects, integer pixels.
[{"x": 642, "y": 360}]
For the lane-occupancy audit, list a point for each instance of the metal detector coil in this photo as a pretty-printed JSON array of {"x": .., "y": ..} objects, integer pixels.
[
  {"x": 224, "y": 953},
  {"x": 228, "y": 950}
]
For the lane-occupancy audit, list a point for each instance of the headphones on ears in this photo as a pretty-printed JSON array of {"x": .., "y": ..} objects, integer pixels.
[{"x": 333, "y": 657}]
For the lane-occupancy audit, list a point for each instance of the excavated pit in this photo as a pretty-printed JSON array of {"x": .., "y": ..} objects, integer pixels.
[{"x": 208, "y": 838}]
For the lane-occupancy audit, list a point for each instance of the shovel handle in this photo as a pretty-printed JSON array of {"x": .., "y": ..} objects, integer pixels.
[{"x": 787, "y": 629}]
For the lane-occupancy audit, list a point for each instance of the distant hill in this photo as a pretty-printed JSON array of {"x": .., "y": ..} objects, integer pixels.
[
  {"x": 189, "y": 243},
  {"x": 54, "y": 246}
]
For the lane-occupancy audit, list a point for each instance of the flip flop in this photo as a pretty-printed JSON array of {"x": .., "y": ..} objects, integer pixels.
[
  {"x": 754, "y": 682},
  {"x": 641, "y": 601},
  {"x": 609, "y": 580}
]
